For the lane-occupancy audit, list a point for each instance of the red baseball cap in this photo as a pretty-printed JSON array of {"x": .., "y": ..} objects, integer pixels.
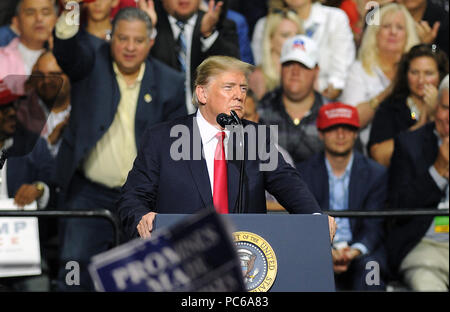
[
  {"x": 6, "y": 95},
  {"x": 337, "y": 113}
]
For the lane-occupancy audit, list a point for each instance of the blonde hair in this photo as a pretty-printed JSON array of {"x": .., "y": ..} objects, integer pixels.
[
  {"x": 268, "y": 67},
  {"x": 368, "y": 52},
  {"x": 214, "y": 66}
]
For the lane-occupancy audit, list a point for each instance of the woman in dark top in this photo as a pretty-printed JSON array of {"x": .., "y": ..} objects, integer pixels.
[{"x": 412, "y": 101}]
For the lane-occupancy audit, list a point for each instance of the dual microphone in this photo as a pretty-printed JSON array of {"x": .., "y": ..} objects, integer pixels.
[{"x": 227, "y": 120}]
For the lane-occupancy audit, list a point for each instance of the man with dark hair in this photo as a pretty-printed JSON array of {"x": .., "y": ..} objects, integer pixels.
[
  {"x": 343, "y": 179},
  {"x": 117, "y": 91},
  {"x": 35, "y": 21}
]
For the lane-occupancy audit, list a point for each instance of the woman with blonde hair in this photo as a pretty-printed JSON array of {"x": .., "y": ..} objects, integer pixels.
[
  {"x": 279, "y": 27},
  {"x": 389, "y": 34},
  {"x": 330, "y": 28}
]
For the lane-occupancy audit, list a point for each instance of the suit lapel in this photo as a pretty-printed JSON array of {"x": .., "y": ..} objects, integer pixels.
[
  {"x": 356, "y": 186},
  {"x": 145, "y": 113},
  {"x": 430, "y": 146},
  {"x": 321, "y": 183},
  {"x": 198, "y": 168}
]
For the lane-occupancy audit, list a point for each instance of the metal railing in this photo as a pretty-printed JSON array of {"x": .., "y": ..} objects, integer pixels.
[
  {"x": 387, "y": 213},
  {"x": 105, "y": 214}
]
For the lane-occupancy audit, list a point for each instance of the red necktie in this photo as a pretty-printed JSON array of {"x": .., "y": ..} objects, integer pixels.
[{"x": 220, "y": 192}]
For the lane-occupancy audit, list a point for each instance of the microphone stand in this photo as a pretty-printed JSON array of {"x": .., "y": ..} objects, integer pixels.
[{"x": 241, "y": 172}]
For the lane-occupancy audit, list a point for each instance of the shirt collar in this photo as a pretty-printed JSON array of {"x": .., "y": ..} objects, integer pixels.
[
  {"x": 346, "y": 172},
  {"x": 7, "y": 144},
  {"x": 139, "y": 78},
  {"x": 207, "y": 131},
  {"x": 191, "y": 21}
]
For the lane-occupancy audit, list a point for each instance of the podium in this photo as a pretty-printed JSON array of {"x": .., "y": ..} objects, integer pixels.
[{"x": 295, "y": 247}]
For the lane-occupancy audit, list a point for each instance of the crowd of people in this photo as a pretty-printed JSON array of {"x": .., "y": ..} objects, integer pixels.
[{"x": 359, "y": 91}]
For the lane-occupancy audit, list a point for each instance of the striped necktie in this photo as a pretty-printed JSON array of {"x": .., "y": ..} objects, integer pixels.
[{"x": 181, "y": 43}]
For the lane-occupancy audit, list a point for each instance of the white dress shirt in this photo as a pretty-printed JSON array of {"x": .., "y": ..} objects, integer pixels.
[{"x": 209, "y": 140}]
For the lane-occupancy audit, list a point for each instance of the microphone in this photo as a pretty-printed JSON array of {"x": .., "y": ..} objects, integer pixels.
[{"x": 226, "y": 120}]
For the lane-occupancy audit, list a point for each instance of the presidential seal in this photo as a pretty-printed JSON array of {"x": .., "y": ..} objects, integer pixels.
[{"x": 258, "y": 261}]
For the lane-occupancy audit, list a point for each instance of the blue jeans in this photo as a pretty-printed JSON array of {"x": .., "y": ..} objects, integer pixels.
[{"x": 82, "y": 238}]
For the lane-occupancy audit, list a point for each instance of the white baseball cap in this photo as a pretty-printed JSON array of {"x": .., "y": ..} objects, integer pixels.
[{"x": 300, "y": 49}]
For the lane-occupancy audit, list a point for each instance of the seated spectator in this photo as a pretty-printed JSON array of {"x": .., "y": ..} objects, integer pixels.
[
  {"x": 187, "y": 36},
  {"x": 330, "y": 29},
  {"x": 341, "y": 179},
  {"x": 98, "y": 21},
  {"x": 412, "y": 102},
  {"x": 294, "y": 105},
  {"x": 279, "y": 27},
  {"x": 350, "y": 8},
  {"x": 35, "y": 21},
  {"x": 24, "y": 175},
  {"x": 418, "y": 246},
  {"x": 370, "y": 78},
  {"x": 53, "y": 94},
  {"x": 431, "y": 21}
]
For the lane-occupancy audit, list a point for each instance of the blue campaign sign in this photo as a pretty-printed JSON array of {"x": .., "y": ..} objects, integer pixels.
[{"x": 197, "y": 254}]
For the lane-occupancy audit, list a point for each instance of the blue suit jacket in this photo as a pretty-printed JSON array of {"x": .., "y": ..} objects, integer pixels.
[
  {"x": 412, "y": 187},
  {"x": 36, "y": 165},
  {"x": 367, "y": 191},
  {"x": 95, "y": 97},
  {"x": 159, "y": 183}
]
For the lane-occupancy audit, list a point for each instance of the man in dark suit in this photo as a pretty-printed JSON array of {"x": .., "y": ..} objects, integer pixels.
[
  {"x": 197, "y": 170},
  {"x": 418, "y": 246},
  {"x": 117, "y": 91},
  {"x": 203, "y": 34},
  {"x": 343, "y": 179}
]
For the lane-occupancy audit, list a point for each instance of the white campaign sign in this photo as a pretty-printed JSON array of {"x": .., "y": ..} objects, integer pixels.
[{"x": 19, "y": 243}]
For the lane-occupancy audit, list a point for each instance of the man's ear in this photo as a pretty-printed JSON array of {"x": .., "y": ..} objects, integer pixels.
[
  {"x": 202, "y": 94},
  {"x": 114, "y": 3}
]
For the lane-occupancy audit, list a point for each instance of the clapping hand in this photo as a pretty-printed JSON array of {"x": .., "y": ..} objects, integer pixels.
[
  {"x": 148, "y": 6},
  {"x": 211, "y": 18},
  {"x": 426, "y": 33}
]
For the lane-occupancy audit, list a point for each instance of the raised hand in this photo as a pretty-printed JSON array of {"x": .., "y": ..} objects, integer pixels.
[
  {"x": 148, "y": 6},
  {"x": 426, "y": 33},
  {"x": 211, "y": 18}
]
